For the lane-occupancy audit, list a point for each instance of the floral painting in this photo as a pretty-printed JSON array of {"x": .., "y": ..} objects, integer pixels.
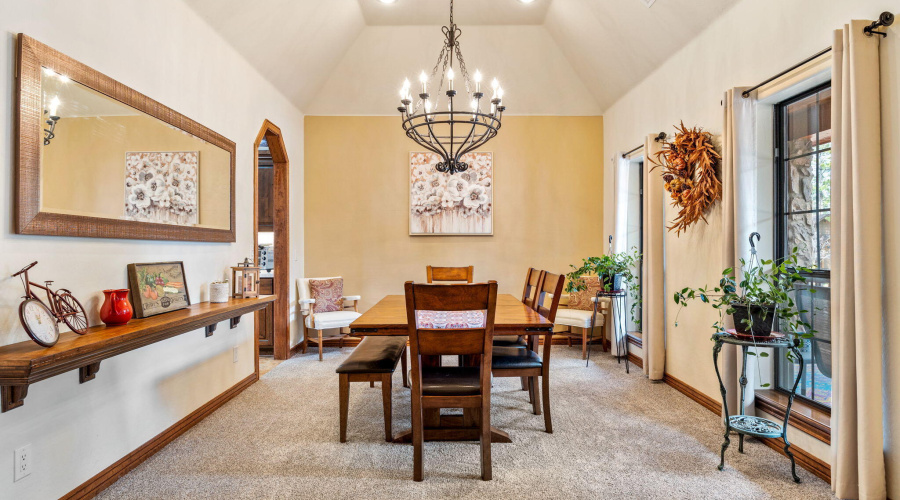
[
  {"x": 462, "y": 203},
  {"x": 162, "y": 187}
]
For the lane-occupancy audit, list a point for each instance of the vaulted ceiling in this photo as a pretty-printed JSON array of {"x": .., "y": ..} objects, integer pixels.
[{"x": 554, "y": 57}]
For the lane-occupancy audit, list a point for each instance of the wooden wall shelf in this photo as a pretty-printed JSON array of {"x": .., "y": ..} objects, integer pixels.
[{"x": 25, "y": 363}]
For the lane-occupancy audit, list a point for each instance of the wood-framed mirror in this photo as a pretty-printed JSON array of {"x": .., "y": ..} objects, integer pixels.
[{"x": 95, "y": 158}]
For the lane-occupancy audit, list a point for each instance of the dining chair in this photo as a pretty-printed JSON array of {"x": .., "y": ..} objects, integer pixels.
[
  {"x": 465, "y": 274},
  {"x": 451, "y": 320},
  {"x": 532, "y": 280},
  {"x": 322, "y": 321},
  {"x": 516, "y": 362}
]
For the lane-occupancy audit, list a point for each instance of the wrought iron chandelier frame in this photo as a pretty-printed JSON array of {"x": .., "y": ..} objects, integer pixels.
[{"x": 453, "y": 133}]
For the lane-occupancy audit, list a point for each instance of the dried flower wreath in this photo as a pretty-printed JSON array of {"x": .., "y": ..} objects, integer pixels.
[{"x": 689, "y": 166}]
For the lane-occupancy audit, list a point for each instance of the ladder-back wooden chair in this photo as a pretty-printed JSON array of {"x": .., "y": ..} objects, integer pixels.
[
  {"x": 517, "y": 362},
  {"x": 461, "y": 274},
  {"x": 451, "y": 320}
]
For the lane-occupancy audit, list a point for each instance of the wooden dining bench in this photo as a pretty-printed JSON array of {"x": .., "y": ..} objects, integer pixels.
[{"x": 374, "y": 359}]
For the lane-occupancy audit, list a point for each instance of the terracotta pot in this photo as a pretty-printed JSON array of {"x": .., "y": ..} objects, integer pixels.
[{"x": 116, "y": 309}]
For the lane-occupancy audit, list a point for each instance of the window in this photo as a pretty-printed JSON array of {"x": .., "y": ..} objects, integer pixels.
[
  {"x": 803, "y": 221},
  {"x": 635, "y": 236}
]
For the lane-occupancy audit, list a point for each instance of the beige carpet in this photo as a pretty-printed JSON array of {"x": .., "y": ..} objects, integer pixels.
[{"x": 616, "y": 436}]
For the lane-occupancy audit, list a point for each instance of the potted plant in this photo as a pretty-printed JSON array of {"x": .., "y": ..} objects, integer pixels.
[
  {"x": 615, "y": 271},
  {"x": 764, "y": 293}
]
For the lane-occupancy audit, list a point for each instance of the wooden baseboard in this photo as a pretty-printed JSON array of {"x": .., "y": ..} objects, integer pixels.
[
  {"x": 816, "y": 466},
  {"x": 635, "y": 360},
  {"x": 704, "y": 400},
  {"x": 111, "y": 474}
]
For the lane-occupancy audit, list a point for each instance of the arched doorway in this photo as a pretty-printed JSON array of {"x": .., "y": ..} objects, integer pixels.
[{"x": 278, "y": 221}]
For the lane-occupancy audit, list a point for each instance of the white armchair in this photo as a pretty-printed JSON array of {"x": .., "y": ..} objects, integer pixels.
[
  {"x": 324, "y": 320},
  {"x": 585, "y": 320}
]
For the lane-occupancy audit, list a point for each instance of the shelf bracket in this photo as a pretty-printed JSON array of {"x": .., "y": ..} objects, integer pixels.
[
  {"x": 210, "y": 329},
  {"x": 87, "y": 373},
  {"x": 12, "y": 396},
  {"x": 233, "y": 322}
]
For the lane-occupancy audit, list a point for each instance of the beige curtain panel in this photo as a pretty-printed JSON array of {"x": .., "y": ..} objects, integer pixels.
[
  {"x": 857, "y": 467},
  {"x": 653, "y": 315},
  {"x": 739, "y": 209}
]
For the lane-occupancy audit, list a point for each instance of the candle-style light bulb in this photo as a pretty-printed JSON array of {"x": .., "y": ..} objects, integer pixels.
[
  {"x": 495, "y": 85},
  {"x": 423, "y": 78},
  {"x": 474, "y": 104},
  {"x": 54, "y": 106},
  {"x": 477, "y": 81},
  {"x": 450, "y": 76},
  {"x": 500, "y": 93}
]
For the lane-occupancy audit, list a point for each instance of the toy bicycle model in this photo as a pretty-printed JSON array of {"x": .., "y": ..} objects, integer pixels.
[{"x": 41, "y": 320}]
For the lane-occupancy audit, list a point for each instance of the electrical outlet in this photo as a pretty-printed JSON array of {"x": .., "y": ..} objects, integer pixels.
[
  {"x": 234, "y": 355},
  {"x": 22, "y": 462}
]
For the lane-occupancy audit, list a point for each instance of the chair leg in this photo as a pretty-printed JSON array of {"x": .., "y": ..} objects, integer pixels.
[
  {"x": 545, "y": 383},
  {"x": 386, "y": 397},
  {"x": 305, "y": 344},
  {"x": 535, "y": 400},
  {"x": 486, "y": 469},
  {"x": 320, "y": 345},
  {"x": 418, "y": 438},
  {"x": 525, "y": 385},
  {"x": 371, "y": 383},
  {"x": 344, "y": 397},
  {"x": 405, "y": 370}
]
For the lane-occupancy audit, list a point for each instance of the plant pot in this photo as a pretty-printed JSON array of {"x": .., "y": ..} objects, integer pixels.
[
  {"x": 116, "y": 309},
  {"x": 762, "y": 318},
  {"x": 612, "y": 283}
]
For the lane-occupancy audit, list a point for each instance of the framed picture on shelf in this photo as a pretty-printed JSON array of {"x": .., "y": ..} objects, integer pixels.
[{"x": 157, "y": 288}]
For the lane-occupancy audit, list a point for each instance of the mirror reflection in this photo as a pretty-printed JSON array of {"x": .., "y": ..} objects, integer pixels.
[{"x": 102, "y": 158}]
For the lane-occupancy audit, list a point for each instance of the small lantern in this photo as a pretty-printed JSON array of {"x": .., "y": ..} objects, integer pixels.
[{"x": 245, "y": 280}]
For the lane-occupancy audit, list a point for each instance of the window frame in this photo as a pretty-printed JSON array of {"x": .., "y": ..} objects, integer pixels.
[{"x": 781, "y": 213}]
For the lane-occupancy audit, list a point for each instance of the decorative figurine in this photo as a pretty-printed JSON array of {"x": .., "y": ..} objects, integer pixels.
[{"x": 41, "y": 320}]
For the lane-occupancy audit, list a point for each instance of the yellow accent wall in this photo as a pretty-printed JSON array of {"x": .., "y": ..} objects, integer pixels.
[{"x": 548, "y": 203}]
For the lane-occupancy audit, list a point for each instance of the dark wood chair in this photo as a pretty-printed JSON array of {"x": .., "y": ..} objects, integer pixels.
[
  {"x": 461, "y": 274},
  {"x": 435, "y": 386},
  {"x": 532, "y": 280},
  {"x": 517, "y": 362},
  {"x": 374, "y": 359}
]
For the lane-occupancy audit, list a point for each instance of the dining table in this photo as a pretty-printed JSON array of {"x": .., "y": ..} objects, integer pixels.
[{"x": 512, "y": 317}]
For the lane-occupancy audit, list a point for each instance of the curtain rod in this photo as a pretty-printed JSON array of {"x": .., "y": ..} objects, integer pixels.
[
  {"x": 660, "y": 137},
  {"x": 885, "y": 19},
  {"x": 745, "y": 94}
]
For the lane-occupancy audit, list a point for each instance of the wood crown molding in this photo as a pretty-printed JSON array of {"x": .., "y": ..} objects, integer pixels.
[
  {"x": 814, "y": 465},
  {"x": 93, "y": 486}
]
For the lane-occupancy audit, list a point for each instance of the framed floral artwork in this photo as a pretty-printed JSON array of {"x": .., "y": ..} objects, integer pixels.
[
  {"x": 458, "y": 204},
  {"x": 162, "y": 187}
]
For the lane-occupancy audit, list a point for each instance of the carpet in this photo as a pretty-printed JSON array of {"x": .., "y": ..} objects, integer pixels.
[{"x": 615, "y": 436}]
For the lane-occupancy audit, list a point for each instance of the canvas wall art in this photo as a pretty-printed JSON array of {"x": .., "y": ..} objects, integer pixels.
[
  {"x": 458, "y": 204},
  {"x": 157, "y": 288},
  {"x": 162, "y": 187}
]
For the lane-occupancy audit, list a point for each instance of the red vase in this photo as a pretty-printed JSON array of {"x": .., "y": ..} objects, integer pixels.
[{"x": 116, "y": 309}]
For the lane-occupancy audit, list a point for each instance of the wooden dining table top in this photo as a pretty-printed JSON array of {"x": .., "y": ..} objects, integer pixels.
[{"x": 388, "y": 317}]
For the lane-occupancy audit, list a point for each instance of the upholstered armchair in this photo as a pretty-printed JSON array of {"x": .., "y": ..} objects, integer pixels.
[
  {"x": 583, "y": 320},
  {"x": 322, "y": 321}
]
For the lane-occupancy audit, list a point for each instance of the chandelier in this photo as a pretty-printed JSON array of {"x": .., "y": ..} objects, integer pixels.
[{"x": 460, "y": 129}]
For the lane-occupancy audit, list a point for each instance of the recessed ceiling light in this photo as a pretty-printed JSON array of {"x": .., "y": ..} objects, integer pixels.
[
  {"x": 526, "y": 1},
  {"x": 387, "y": 1}
]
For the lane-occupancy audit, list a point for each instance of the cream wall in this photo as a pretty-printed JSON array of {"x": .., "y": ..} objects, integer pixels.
[
  {"x": 753, "y": 41},
  {"x": 165, "y": 51},
  {"x": 548, "y": 204}
]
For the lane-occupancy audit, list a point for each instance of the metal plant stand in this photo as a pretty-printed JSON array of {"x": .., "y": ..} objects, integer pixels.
[
  {"x": 617, "y": 316},
  {"x": 748, "y": 424}
]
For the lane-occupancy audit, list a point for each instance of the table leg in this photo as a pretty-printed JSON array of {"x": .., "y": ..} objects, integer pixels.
[
  {"x": 787, "y": 415},
  {"x": 716, "y": 349},
  {"x": 743, "y": 380}
]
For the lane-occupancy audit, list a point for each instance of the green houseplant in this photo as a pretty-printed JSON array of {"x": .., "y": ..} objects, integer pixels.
[
  {"x": 616, "y": 270},
  {"x": 764, "y": 293}
]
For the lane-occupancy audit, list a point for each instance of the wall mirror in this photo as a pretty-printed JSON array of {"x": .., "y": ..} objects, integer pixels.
[{"x": 98, "y": 159}]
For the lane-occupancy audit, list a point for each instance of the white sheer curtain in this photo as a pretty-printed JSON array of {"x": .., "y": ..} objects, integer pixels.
[
  {"x": 739, "y": 210},
  {"x": 653, "y": 309},
  {"x": 857, "y": 330},
  {"x": 620, "y": 236}
]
